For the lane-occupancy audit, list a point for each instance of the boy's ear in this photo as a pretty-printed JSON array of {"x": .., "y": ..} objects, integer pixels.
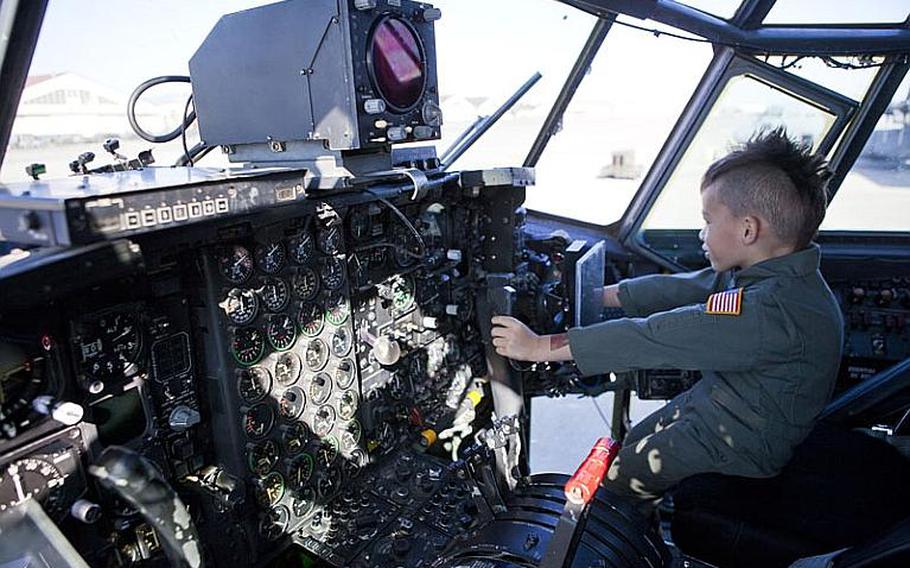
[{"x": 751, "y": 226}]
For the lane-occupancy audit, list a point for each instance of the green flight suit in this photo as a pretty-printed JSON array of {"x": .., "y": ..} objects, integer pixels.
[{"x": 767, "y": 372}]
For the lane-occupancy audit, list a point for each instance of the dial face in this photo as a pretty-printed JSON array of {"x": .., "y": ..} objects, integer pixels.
[
  {"x": 287, "y": 368},
  {"x": 311, "y": 319},
  {"x": 351, "y": 434},
  {"x": 304, "y": 502},
  {"x": 275, "y": 294},
  {"x": 327, "y": 451},
  {"x": 302, "y": 247},
  {"x": 301, "y": 470},
  {"x": 270, "y": 489},
  {"x": 282, "y": 332},
  {"x": 253, "y": 383},
  {"x": 258, "y": 420},
  {"x": 317, "y": 354},
  {"x": 32, "y": 478},
  {"x": 337, "y": 309},
  {"x": 235, "y": 264},
  {"x": 263, "y": 457},
  {"x": 328, "y": 482},
  {"x": 344, "y": 374},
  {"x": 329, "y": 239},
  {"x": 248, "y": 345},
  {"x": 347, "y": 406},
  {"x": 271, "y": 257},
  {"x": 295, "y": 438},
  {"x": 332, "y": 273},
  {"x": 110, "y": 346},
  {"x": 323, "y": 420},
  {"x": 306, "y": 284},
  {"x": 353, "y": 465},
  {"x": 292, "y": 403},
  {"x": 402, "y": 293},
  {"x": 275, "y": 523},
  {"x": 359, "y": 224},
  {"x": 321, "y": 388},
  {"x": 240, "y": 306},
  {"x": 341, "y": 342},
  {"x": 405, "y": 249}
]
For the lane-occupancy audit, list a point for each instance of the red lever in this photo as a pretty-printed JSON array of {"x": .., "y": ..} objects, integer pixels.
[{"x": 582, "y": 486}]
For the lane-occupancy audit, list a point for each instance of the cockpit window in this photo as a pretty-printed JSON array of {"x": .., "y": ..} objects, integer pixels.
[
  {"x": 484, "y": 60},
  {"x": 827, "y": 12},
  {"x": 621, "y": 114},
  {"x": 745, "y": 106},
  {"x": 875, "y": 194},
  {"x": 82, "y": 75}
]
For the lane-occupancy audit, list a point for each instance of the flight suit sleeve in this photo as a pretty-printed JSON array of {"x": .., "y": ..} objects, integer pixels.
[
  {"x": 654, "y": 293},
  {"x": 682, "y": 338}
]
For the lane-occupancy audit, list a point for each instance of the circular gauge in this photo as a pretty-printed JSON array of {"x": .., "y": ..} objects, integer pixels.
[
  {"x": 270, "y": 257},
  {"x": 311, "y": 319},
  {"x": 295, "y": 437},
  {"x": 253, "y": 383},
  {"x": 258, "y": 420},
  {"x": 300, "y": 471},
  {"x": 328, "y": 481},
  {"x": 282, "y": 332},
  {"x": 275, "y": 294},
  {"x": 327, "y": 451},
  {"x": 275, "y": 523},
  {"x": 321, "y": 388},
  {"x": 337, "y": 309},
  {"x": 287, "y": 368},
  {"x": 344, "y": 374},
  {"x": 33, "y": 478},
  {"x": 403, "y": 293},
  {"x": 304, "y": 502},
  {"x": 317, "y": 354},
  {"x": 110, "y": 345},
  {"x": 405, "y": 249},
  {"x": 248, "y": 345},
  {"x": 347, "y": 406},
  {"x": 341, "y": 342},
  {"x": 359, "y": 224},
  {"x": 323, "y": 420},
  {"x": 396, "y": 63},
  {"x": 305, "y": 284},
  {"x": 353, "y": 464},
  {"x": 329, "y": 239},
  {"x": 332, "y": 273},
  {"x": 235, "y": 264},
  {"x": 302, "y": 247},
  {"x": 263, "y": 457},
  {"x": 270, "y": 489},
  {"x": 240, "y": 306},
  {"x": 351, "y": 433},
  {"x": 292, "y": 402}
]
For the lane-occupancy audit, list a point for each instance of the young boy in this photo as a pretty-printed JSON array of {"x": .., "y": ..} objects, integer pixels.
[{"x": 760, "y": 324}]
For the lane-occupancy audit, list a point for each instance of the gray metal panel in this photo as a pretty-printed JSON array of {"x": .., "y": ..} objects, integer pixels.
[
  {"x": 334, "y": 109},
  {"x": 249, "y": 76}
]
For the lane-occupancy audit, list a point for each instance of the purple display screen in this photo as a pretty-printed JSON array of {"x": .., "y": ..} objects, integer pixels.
[{"x": 397, "y": 63}]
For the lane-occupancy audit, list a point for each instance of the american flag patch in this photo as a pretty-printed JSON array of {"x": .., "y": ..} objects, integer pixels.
[{"x": 728, "y": 303}]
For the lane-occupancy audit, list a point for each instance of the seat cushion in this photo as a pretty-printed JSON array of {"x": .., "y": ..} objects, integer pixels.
[{"x": 840, "y": 488}]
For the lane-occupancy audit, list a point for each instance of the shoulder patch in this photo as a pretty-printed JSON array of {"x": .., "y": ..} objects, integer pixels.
[{"x": 727, "y": 303}]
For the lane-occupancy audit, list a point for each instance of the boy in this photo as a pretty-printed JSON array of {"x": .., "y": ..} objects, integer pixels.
[{"x": 760, "y": 323}]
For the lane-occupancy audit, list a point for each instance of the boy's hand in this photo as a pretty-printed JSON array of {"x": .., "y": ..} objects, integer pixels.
[{"x": 515, "y": 340}]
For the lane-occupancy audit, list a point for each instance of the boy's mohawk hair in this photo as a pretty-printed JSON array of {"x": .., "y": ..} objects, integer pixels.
[{"x": 777, "y": 178}]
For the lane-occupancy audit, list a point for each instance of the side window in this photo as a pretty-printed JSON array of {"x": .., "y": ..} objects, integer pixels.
[
  {"x": 746, "y": 104},
  {"x": 875, "y": 194}
]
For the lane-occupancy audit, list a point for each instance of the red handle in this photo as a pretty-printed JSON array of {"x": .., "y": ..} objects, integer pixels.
[{"x": 582, "y": 486}]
